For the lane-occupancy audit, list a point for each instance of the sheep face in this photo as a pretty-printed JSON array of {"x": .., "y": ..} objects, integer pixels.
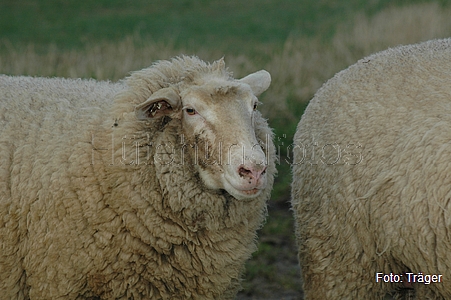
[{"x": 218, "y": 119}]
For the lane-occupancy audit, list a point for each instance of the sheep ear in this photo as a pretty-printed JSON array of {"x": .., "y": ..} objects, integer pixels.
[
  {"x": 258, "y": 81},
  {"x": 161, "y": 103}
]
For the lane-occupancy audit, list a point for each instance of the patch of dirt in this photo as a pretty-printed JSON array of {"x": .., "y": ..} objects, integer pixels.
[{"x": 273, "y": 273}]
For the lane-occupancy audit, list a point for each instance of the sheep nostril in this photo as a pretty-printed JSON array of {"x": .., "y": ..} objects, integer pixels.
[
  {"x": 244, "y": 172},
  {"x": 251, "y": 173}
]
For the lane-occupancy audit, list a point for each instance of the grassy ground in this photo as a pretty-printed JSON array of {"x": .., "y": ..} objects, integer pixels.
[
  {"x": 200, "y": 23},
  {"x": 301, "y": 43}
]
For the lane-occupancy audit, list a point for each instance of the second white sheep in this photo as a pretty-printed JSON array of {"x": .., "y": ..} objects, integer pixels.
[{"x": 371, "y": 192}]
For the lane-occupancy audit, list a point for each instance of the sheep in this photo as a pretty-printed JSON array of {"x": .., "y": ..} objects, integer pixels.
[
  {"x": 149, "y": 188},
  {"x": 371, "y": 171}
]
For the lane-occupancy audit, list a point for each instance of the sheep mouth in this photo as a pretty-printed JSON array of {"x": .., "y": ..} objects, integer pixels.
[
  {"x": 250, "y": 192},
  {"x": 240, "y": 189},
  {"x": 242, "y": 194}
]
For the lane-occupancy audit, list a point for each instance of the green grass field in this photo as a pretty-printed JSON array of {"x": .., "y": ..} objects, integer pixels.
[
  {"x": 230, "y": 24},
  {"x": 301, "y": 43}
]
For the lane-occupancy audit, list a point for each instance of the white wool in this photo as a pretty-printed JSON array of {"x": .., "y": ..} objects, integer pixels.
[{"x": 375, "y": 197}]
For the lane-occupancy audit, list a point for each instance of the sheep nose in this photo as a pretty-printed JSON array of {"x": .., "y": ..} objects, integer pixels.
[{"x": 252, "y": 173}]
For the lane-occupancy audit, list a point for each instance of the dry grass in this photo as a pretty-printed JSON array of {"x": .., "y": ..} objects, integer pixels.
[
  {"x": 298, "y": 69},
  {"x": 392, "y": 27},
  {"x": 304, "y": 65}
]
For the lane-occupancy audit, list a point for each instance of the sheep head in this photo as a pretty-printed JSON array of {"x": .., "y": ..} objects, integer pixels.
[{"x": 218, "y": 118}]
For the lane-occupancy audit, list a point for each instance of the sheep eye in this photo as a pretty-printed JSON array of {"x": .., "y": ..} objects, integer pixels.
[
  {"x": 255, "y": 106},
  {"x": 190, "y": 111}
]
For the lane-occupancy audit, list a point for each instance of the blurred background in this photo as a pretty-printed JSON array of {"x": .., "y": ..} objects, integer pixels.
[{"x": 302, "y": 43}]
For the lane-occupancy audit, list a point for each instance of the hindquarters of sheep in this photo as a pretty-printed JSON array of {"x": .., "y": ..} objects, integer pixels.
[{"x": 379, "y": 213}]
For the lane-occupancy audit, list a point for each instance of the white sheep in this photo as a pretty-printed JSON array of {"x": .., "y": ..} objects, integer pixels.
[
  {"x": 371, "y": 178},
  {"x": 152, "y": 188}
]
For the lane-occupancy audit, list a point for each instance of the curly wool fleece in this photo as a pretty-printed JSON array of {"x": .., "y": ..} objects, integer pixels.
[{"x": 374, "y": 197}]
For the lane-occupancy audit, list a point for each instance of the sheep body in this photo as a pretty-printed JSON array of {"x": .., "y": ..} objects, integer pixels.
[
  {"x": 370, "y": 189},
  {"x": 97, "y": 204}
]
